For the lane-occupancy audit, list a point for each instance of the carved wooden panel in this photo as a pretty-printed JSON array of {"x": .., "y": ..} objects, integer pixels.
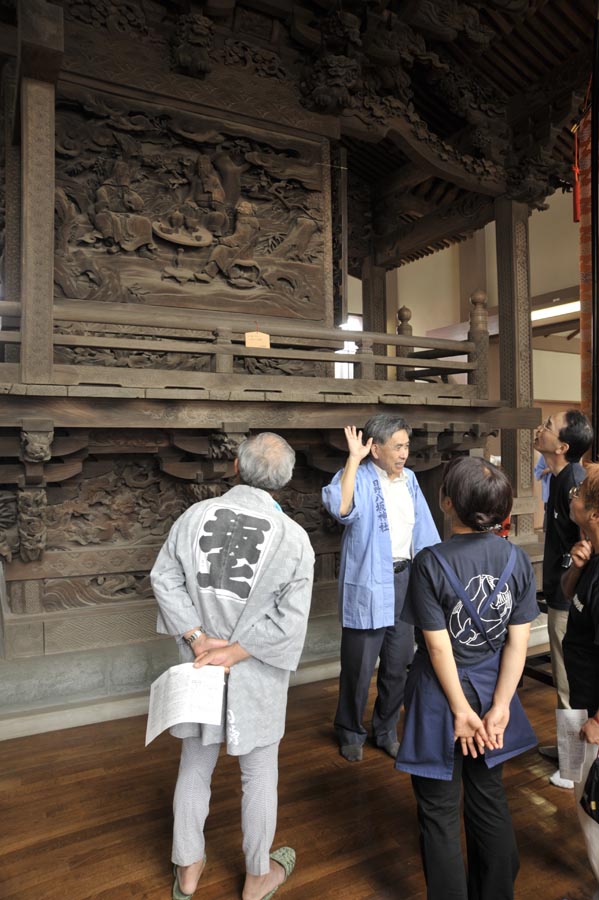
[{"x": 174, "y": 209}]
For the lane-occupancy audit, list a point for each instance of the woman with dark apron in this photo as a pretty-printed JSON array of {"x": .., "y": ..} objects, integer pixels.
[{"x": 472, "y": 599}]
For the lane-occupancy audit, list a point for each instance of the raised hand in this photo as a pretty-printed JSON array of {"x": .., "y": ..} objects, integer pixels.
[
  {"x": 356, "y": 448},
  {"x": 581, "y": 553}
]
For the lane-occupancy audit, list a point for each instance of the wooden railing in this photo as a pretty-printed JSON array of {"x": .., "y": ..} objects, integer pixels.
[{"x": 184, "y": 348}]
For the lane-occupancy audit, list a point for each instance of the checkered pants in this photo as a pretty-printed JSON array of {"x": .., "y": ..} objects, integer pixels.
[{"x": 259, "y": 778}]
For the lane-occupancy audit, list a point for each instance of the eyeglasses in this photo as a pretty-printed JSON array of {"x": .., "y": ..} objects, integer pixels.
[
  {"x": 546, "y": 426},
  {"x": 574, "y": 492}
]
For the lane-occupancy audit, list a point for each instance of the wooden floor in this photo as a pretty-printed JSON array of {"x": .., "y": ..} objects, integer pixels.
[{"x": 86, "y": 813}]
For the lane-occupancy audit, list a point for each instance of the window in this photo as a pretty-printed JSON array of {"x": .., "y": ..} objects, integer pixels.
[{"x": 345, "y": 369}]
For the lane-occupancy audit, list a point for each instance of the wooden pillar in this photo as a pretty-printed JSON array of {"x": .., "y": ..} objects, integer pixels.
[
  {"x": 479, "y": 335},
  {"x": 40, "y": 55},
  {"x": 12, "y": 189},
  {"x": 374, "y": 305},
  {"x": 515, "y": 353},
  {"x": 404, "y": 314}
]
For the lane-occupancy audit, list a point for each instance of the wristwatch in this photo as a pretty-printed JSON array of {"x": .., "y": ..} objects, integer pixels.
[{"x": 194, "y": 635}]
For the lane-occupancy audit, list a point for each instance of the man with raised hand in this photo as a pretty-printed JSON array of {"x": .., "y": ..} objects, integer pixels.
[{"x": 386, "y": 522}]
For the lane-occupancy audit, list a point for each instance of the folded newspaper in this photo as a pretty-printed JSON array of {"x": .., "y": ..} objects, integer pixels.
[{"x": 185, "y": 694}]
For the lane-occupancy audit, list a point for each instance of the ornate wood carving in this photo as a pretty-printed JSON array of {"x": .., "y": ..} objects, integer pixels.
[{"x": 187, "y": 211}]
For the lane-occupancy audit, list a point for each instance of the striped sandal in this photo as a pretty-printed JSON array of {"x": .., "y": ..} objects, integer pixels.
[{"x": 284, "y": 856}]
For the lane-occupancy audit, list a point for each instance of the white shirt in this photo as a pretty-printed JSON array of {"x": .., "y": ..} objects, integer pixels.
[{"x": 400, "y": 513}]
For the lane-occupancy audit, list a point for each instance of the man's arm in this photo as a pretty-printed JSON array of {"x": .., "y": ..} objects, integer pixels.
[
  {"x": 511, "y": 667},
  {"x": 357, "y": 452},
  {"x": 177, "y": 613},
  {"x": 277, "y": 638},
  {"x": 581, "y": 554},
  {"x": 468, "y": 727}
]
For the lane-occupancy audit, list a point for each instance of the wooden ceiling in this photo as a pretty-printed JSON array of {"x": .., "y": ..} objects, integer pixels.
[{"x": 444, "y": 106}]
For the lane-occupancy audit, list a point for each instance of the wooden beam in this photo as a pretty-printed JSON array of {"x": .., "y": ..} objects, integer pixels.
[
  {"x": 554, "y": 298},
  {"x": 451, "y": 219},
  {"x": 555, "y": 343},
  {"x": 556, "y": 326},
  {"x": 407, "y": 177}
]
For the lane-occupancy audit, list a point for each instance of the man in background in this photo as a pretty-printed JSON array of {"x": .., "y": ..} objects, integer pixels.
[{"x": 562, "y": 439}]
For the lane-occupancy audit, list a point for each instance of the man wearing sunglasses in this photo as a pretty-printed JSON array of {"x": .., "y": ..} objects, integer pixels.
[{"x": 562, "y": 439}]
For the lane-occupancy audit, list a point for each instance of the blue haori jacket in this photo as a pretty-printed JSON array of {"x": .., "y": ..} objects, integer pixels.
[
  {"x": 428, "y": 745},
  {"x": 366, "y": 588}
]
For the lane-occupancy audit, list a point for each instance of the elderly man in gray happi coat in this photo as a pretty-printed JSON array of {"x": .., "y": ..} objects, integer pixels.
[{"x": 233, "y": 582}]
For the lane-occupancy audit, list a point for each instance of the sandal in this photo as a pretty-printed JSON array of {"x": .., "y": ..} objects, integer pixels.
[
  {"x": 284, "y": 856},
  {"x": 177, "y": 893}
]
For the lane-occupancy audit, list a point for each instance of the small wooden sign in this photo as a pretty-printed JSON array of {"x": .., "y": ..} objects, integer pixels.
[{"x": 257, "y": 339}]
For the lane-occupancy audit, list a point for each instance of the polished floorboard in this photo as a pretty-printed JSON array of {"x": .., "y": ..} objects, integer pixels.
[{"x": 86, "y": 813}]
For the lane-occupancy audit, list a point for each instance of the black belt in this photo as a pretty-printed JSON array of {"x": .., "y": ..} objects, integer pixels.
[{"x": 400, "y": 564}]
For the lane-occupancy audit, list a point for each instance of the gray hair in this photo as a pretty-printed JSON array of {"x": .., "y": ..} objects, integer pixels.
[
  {"x": 265, "y": 461},
  {"x": 380, "y": 428}
]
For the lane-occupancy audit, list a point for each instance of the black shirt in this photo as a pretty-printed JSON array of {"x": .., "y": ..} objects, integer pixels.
[
  {"x": 581, "y": 641},
  {"x": 478, "y": 560},
  {"x": 561, "y": 534}
]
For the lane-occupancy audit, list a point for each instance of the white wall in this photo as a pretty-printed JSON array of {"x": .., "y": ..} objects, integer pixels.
[
  {"x": 430, "y": 287},
  {"x": 556, "y": 376},
  {"x": 354, "y": 295},
  {"x": 554, "y": 247},
  {"x": 553, "y": 239}
]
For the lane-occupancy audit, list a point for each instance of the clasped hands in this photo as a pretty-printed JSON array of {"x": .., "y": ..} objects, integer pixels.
[
  {"x": 477, "y": 735},
  {"x": 211, "y": 651}
]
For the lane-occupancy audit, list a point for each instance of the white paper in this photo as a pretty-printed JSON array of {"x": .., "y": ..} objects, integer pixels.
[
  {"x": 570, "y": 748},
  {"x": 185, "y": 694}
]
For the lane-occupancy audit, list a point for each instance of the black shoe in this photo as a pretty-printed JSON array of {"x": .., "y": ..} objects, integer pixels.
[
  {"x": 390, "y": 747},
  {"x": 549, "y": 752},
  {"x": 351, "y": 752}
]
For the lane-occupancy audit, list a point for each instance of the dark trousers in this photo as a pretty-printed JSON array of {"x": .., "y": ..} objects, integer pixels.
[
  {"x": 492, "y": 853},
  {"x": 360, "y": 649}
]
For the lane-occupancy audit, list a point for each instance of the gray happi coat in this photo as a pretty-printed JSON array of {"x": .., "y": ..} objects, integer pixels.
[{"x": 202, "y": 577}]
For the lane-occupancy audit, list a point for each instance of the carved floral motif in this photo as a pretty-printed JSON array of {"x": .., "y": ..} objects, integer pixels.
[
  {"x": 131, "y": 359},
  {"x": 265, "y": 63},
  {"x": 116, "y": 16}
]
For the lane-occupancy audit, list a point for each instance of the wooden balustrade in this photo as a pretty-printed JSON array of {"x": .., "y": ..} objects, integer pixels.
[{"x": 144, "y": 357}]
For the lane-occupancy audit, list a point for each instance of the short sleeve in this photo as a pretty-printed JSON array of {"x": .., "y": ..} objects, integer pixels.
[
  {"x": 526, "y": 608},
  {"x": 423, "y": 607}
]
